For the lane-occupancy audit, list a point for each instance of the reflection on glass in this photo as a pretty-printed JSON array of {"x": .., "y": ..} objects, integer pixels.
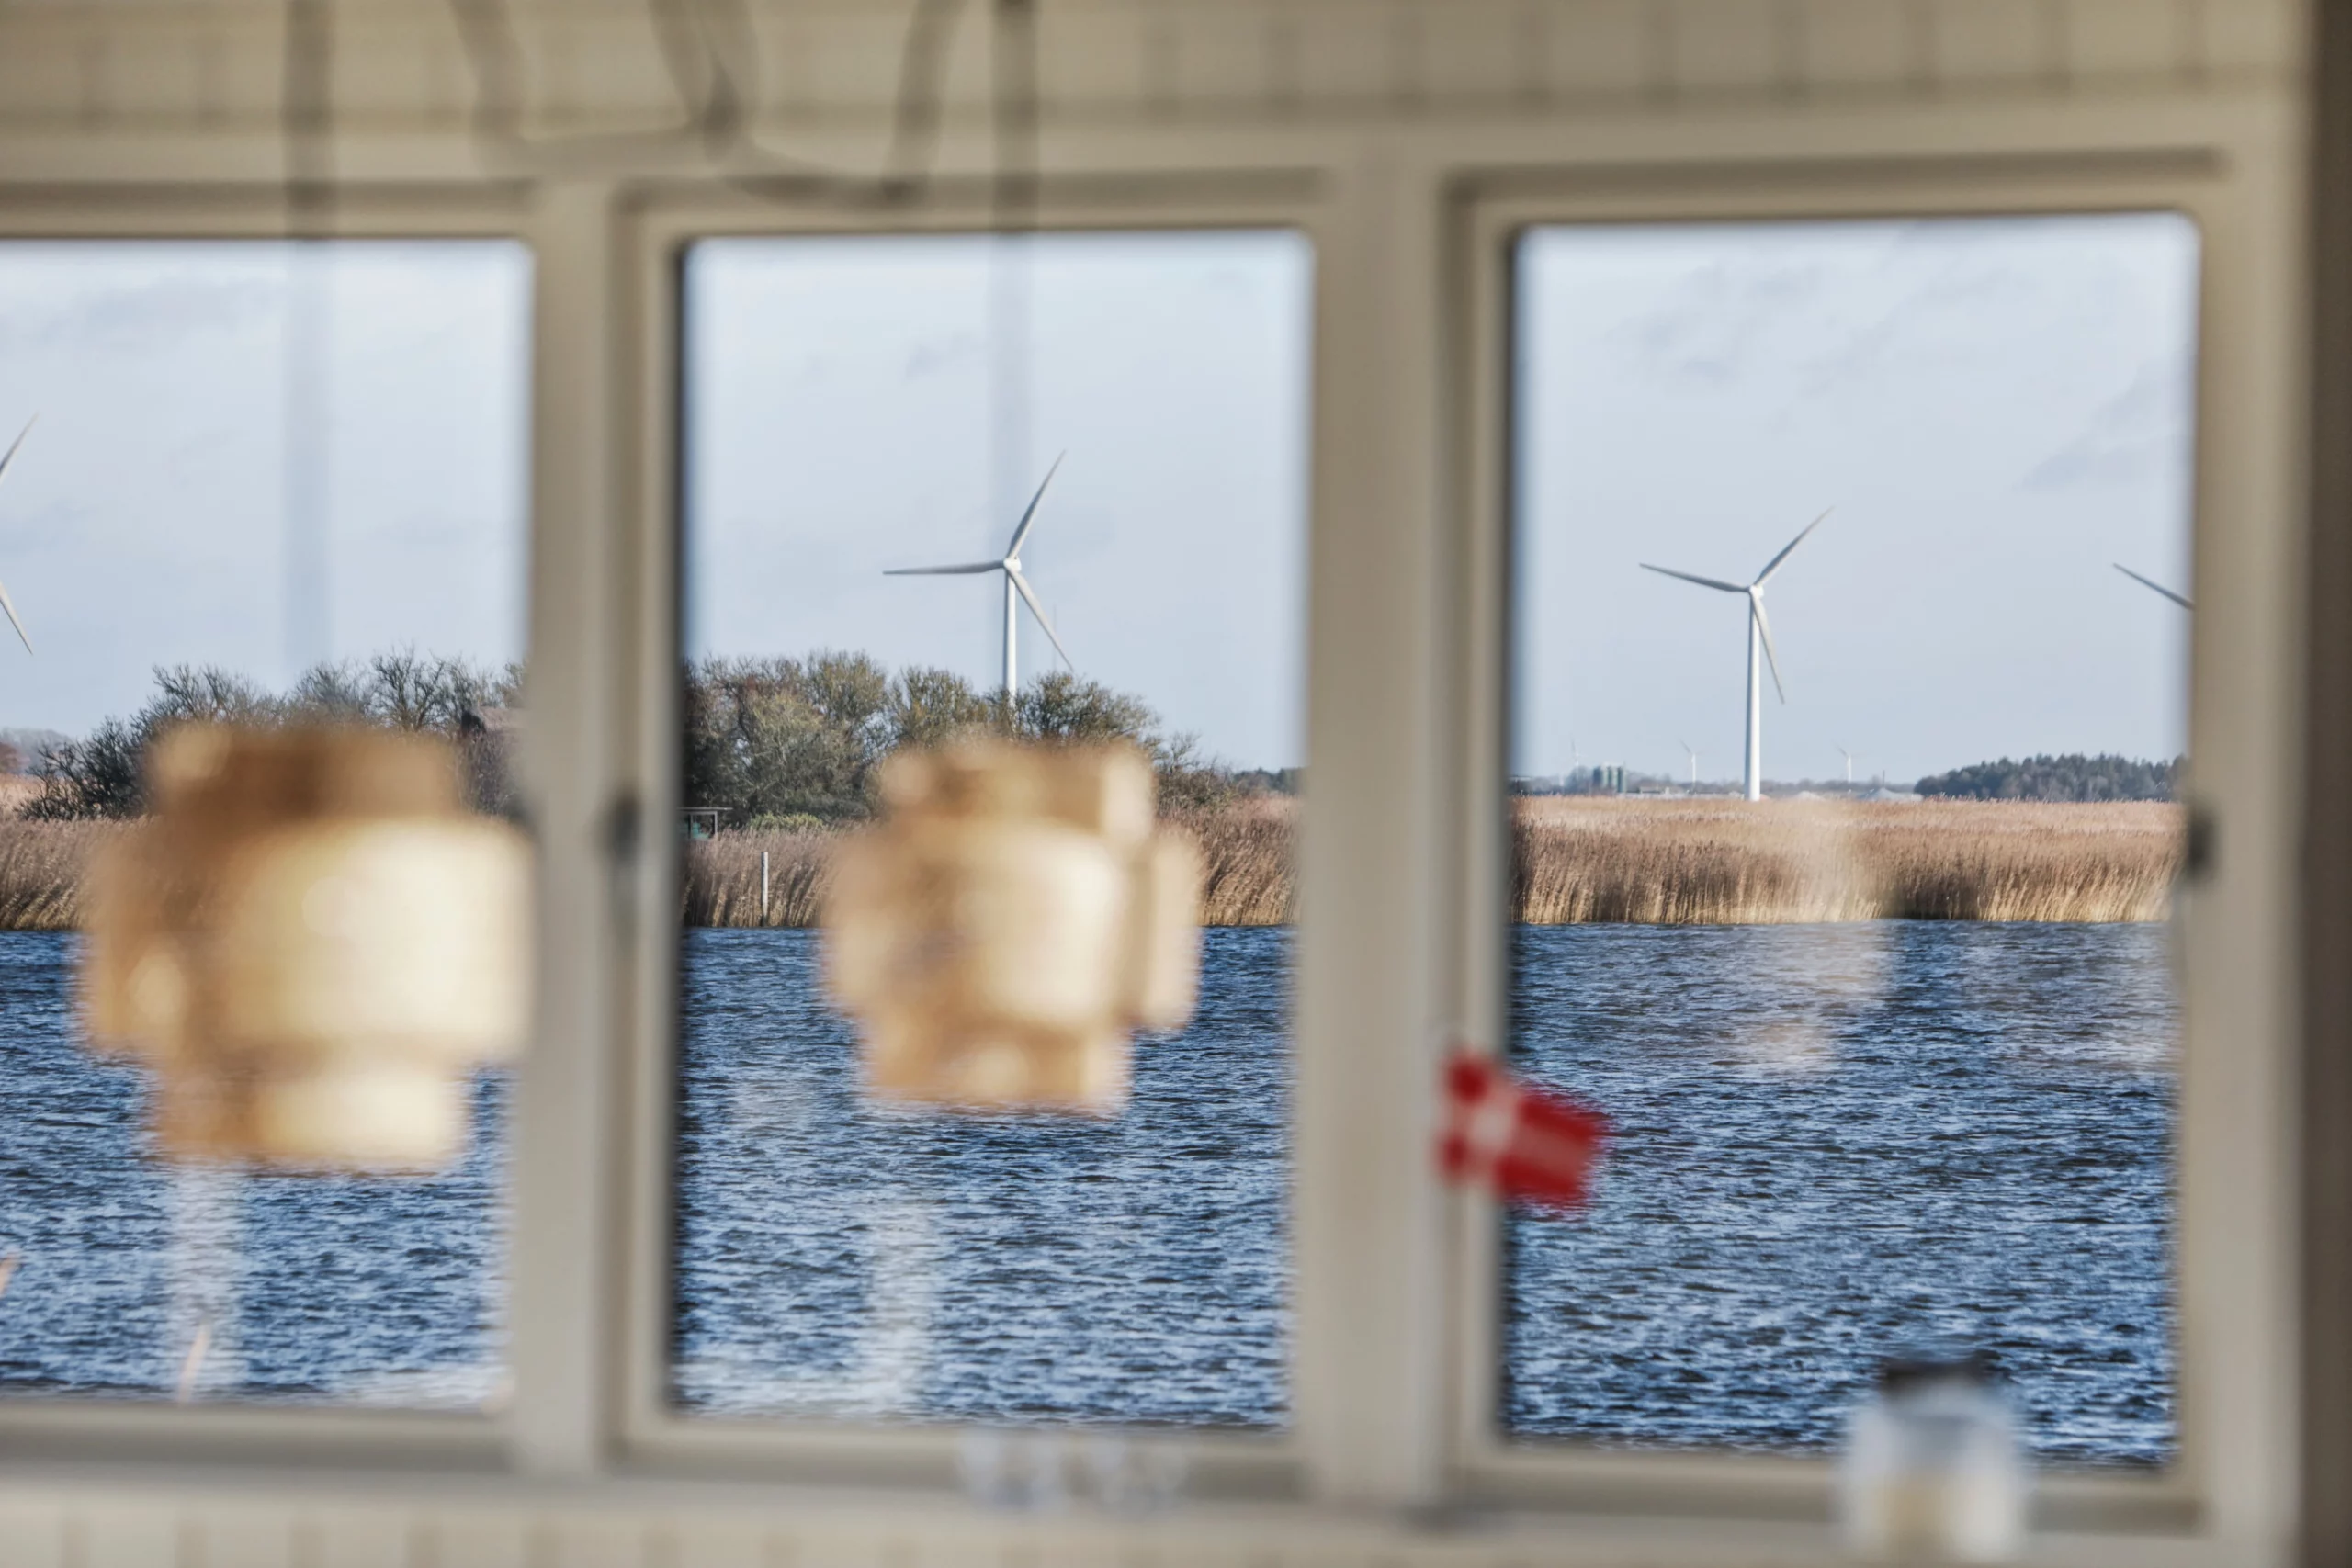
[
  {"x": 856, "y": 407},
  {"x": 268, "y": 484},
  {"x": 1890, "y": 1052}
]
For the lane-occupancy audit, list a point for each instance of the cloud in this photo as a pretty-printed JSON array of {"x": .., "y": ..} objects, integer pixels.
[
  {"x": 170, "y": 308},
  {"x": 1708, "y": 328},
  {"x": 926, "y": 358},
  {"x": 2140, "y": 432}
]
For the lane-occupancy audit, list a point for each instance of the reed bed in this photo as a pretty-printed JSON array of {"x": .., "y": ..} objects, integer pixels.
[
  {"x": 1728, "y": 862},
  {"x": 1245, "y": 855},
  {"x": 720, "y": 881},
  {"x": 1576, "y": 861},
  {"x": 1244, "y": 862},
  {"x": 40, "y": 872},
  {"x": 1645, "y": 862}
]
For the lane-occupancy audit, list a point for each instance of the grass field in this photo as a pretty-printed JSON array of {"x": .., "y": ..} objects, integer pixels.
[{"x": 1649, "y": 862}]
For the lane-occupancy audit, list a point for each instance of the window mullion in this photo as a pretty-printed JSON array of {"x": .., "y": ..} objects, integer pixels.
[
  {"x": 1370, "y": 1337},
  {"x": 566, "y": 1176}
]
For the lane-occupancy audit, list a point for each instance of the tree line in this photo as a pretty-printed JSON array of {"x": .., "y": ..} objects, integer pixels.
[
  {"x": 2073, "y": 778},
  {"x": 102, "y": 774},
  {"x": 774, "y": 742},
  {"x": 767, "y": 741}
]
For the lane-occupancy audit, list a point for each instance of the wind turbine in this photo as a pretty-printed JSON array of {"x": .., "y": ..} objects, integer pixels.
[
  {"x": 1849, "y": 763},
  {"x": 2180, "y": 599},
  {"x": 1014, "y": 583},
  {"x": 5, "y": 602},
  {"x": 1759, "y": 639},
  {"x": 1694, "y": 762}
]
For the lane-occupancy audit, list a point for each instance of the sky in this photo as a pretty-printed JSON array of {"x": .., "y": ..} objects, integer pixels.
[
  {"x": 851, "y": 408},
  {"x": 1996, "y": 409},
  {"x": 1998, "y": 412},
  {"x": 144, "y": 520}
]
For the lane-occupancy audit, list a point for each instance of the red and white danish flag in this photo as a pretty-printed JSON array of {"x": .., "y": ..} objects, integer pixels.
[{"x": 1522, "y": 1143}]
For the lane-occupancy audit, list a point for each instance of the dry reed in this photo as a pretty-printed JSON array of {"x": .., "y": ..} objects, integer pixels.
[
  {"x": 1728, "y": 862},
  {"x": 40, "y": 872},
  {"x": 1648, "y": 862},
  {"x": 1645, "y": 862},
  {"x": 719, "y": 884},
  {"x": 1245, "y": 855}
]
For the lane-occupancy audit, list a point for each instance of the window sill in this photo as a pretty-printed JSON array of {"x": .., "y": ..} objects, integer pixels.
[{"x": 184, "y": 1515}]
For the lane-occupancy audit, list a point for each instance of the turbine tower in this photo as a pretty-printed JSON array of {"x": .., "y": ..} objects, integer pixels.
[
  {"x": 1759, "y": 648},
  {"x": 1694, "y": 762},
  {"x": 1014, "y": 584},
  {"x": 2180, "y": 599},
  {"x": 1849, "y": 763},
  {"x": 5, "y": 602}
]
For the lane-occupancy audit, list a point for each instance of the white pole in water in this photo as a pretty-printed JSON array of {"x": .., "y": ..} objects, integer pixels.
[{"x": 764, "y": 887}]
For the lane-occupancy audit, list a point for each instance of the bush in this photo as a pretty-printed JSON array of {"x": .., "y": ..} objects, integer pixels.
[
  {"x": 100, "y": 775},
  {"x": 777, "y": 741}
]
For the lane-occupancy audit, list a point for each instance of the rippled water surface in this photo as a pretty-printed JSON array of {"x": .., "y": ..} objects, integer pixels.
[
  {"x": 1837, "y": 1140},
  {"x": 304, "y": 1289},
  {"x": 1833, "y": 1143},
  {"x": 836, "y": 1257}
]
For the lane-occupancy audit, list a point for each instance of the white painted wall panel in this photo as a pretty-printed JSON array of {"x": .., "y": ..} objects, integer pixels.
[{"x": 33, "y": 1535}]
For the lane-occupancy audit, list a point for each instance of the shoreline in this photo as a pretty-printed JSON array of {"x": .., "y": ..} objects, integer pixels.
[
  {"x": 1577, "y": 860},
  {"x": 1629, "y": 861}
]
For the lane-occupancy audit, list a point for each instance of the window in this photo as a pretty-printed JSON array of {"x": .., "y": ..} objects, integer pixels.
[
  {"x": 1890, "y": 1052},
  {"x": 266, "y": 482},
  {"x": 858, "y": 406}
]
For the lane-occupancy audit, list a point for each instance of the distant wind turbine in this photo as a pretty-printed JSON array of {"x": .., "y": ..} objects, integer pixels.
[
  {"x": 1014, "y": 583},
  {"x": 5, "y": 602},
  {"x": 1849, "y": 763},
  {"x": 1694, "y": 762},
  {"x": 2180, "y": 599},
  {"x": 1760, "y": 642}
]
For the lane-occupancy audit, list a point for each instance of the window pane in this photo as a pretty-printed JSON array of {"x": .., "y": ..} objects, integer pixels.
[
  {"x": 858, "y": 405},
  {"x": 1891, "y": 1052},
  {"x": 262, "y": 475}
]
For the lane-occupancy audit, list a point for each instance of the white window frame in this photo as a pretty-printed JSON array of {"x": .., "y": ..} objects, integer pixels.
[
  {"x": 2234, "y": 1382},
  {"x": 1401, "y": 944},
  {"x": 1222, "y": 1464},
  {"x": 72, "y": 1428}
]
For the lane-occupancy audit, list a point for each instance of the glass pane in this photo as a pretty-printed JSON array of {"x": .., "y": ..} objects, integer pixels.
[
  {"x": 1890, "y": 1052},
  {"x": 266, "y": 481},
  {"x": 858, "y": 405}
]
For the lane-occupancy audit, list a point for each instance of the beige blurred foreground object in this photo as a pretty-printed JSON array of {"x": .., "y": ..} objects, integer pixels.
[
  {"x": 312, "y": 943},
  {"x": 1015, "y": 916}
]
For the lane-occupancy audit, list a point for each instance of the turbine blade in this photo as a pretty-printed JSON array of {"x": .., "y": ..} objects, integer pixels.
[
  {"x": 1771, "y": 657},
  {"x": 1686, "y": 577},
  {"x": 2177, "y": 599},
  {"x": 1021, "y": 530},
  {"x": 8, "y": 604},
  {"x": 19, "y": 441},
  {"x": 5, "y": 602},
  {"x": 945, "y": 570},
  {"x": 1774, "y": 564},
  {"x": 1029, "y": 597}
]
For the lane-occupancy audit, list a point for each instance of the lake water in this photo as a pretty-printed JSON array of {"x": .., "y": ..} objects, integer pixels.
[
  {"x": 1833, "y": 1143},
  {"x": 1837, "y": 1142},
  {"x": 369, "y": 1292}
]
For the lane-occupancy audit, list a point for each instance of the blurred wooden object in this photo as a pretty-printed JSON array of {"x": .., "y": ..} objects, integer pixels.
[
  {"x": 1015, "y": 917},
  {"x": 312, "y": 943}
]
